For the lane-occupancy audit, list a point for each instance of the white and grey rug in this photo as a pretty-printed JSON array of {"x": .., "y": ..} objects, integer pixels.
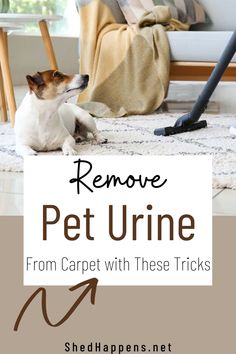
[{"x": 134, "y": 135}]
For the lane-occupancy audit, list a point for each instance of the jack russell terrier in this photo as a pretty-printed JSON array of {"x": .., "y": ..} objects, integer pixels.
[{"x": 45, "y": 122}]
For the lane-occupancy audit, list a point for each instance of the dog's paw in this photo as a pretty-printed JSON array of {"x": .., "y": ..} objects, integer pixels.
[
  {"x": 70, "y": 151},
  {"x": 29, "y": 153},
  {"x": 32, "y": 153},
  {"x": 100, "y": 139}
]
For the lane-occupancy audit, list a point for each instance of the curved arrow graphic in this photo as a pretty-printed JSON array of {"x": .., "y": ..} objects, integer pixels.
[{"x": 91, "y": 286}]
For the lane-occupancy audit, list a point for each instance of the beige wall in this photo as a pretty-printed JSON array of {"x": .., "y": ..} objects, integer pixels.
[{"x": 27, "y": 55}]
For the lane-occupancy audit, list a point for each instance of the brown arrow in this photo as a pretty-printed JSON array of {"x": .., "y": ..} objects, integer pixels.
[{"x": 92, "y": 285}]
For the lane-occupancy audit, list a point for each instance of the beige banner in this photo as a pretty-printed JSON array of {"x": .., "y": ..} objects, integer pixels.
[{"x": 183, "y": 320}]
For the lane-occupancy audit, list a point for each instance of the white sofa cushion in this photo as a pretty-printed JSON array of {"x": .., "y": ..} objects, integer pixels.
[{"x": 198, "y": 46}]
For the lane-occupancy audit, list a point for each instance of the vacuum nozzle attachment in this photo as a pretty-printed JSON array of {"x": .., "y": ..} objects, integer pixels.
[{"x": 177, "y": 129}]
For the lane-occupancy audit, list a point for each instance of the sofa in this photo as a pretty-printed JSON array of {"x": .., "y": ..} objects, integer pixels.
[{"x": 195, "y": 53}]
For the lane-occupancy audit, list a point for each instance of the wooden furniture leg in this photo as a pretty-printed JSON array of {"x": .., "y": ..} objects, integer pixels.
[
  {"x": 6, "y": 43},
  {"x": 3, "y": 96},
  {"x": 3, "y": 114},
  {"x": 6, "y": 73},
  {"x": 48, "y": 44}
]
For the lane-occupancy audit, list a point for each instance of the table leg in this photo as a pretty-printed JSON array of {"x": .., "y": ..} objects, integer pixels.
[
  {"x": 2, "y": 99},
  {"x": 6, "y": 73},
  {"x": 48, "y": 44},
  {"x": 6, "y": 43}
]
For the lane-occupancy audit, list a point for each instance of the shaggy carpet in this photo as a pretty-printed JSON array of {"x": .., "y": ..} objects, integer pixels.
[{"x": 134, "y": 135}]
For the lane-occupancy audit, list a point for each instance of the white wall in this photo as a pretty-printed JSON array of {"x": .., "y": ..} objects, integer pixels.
[{"x": 27, "y": 55}]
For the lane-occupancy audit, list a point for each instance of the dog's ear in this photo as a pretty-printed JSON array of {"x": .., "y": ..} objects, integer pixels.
[
  {"x": 29, "y": 79},
  {"x": 57, "y": 74},
  {"x": 35, "y": 80}
]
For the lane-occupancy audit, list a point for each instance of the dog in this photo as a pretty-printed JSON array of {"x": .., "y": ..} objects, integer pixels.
[{"x": 46, "y": 122}]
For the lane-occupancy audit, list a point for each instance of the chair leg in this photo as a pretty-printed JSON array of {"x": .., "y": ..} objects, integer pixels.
[
  {"x": 48, "y": 44},
  {"x": 6, "y": 73}
]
